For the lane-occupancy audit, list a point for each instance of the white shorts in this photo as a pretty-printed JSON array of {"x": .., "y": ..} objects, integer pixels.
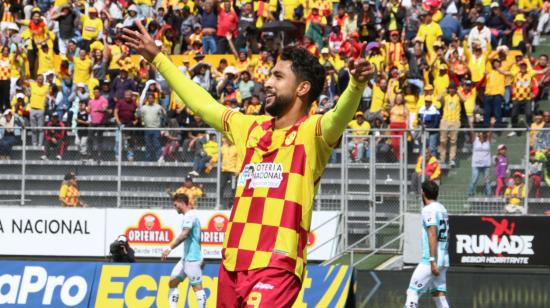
[
  {"x": 193, "y": 270},
  {"x": 423, "y": 281}
]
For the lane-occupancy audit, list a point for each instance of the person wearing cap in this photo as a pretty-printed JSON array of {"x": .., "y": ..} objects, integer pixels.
[
  {"x": 522, "y": 93},
  {"x": 480, "y": 33},
  {"x": 499, "y": 22},
  {"x": 192, "y": 191},
  {"x": 10, "y": 132},
  {"x": 515, "y": 195},
  {"x": 501, "y": 169},
  {"x": 55, "y": 138},
  {"x": 69, "y": 194},
  {"x": 121, "y": 84},
  {"x": 481, "y": 162},
  {"x": 39, "y": 94},
  {"x": 358, "y": 146},
  {"x": 429, "y": 31},
  {"x": 430, "y": 117},
  {"x": 395, "y": 52},
  {"x": 520, "y": 37},
  {"x": 92, "y": 28}
]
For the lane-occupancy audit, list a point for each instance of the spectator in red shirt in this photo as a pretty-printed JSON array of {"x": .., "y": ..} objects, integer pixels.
[
  {"x": 125, "y": 116},
  {"x": 227, "y": 23},
  {"x": 55, "y": 138},
  {"x": 543, "y": 80}
]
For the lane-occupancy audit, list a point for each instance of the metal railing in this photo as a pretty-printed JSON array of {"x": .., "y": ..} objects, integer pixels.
[{"x": 376, "y": 189}]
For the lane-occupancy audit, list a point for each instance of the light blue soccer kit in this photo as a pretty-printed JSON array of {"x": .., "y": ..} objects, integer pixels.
[
  {"x": 191, "y": 262},
  {"x": 422, "y": 280}
]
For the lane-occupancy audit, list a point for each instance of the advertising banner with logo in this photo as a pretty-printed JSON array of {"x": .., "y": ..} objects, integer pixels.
[
  {"x": 87, "y": 284},
  {"x": 150, "y": 231},
  {"x": 39, "y": 231},
  {"x": 499, "y": 240}
]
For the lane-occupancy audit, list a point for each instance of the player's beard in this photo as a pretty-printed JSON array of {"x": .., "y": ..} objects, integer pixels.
[{"x": 279, "y": 106}]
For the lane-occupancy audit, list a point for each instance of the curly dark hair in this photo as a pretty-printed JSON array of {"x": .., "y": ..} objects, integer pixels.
[{"x": 307, "y": 68}]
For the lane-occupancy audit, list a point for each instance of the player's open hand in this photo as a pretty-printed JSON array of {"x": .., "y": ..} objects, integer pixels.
[
  {"x": 435, "y": 271},
  {"x": 360, "y": 69},
  {"x": 141, "y": 41},
  {"x": 165, "y": 254}
]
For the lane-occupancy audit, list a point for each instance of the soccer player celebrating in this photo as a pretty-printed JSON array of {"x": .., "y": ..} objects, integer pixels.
[
  {"x": 284, "y": 155},
  {"x": 430, "y": 274},
  {"x": 190, "y": 264}
]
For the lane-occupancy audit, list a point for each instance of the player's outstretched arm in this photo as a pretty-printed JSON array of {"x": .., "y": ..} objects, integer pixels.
[
  {"x": 336, "y": 120},
  {"x": 194, "y": 96}
]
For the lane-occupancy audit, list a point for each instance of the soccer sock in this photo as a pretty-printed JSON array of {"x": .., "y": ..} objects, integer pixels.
[
  {"x": 412, "y": 299},
  {"x": 440, "y": 302},
  {"x": 173, "y": 297},
  {"x": 201, "y": 298}
]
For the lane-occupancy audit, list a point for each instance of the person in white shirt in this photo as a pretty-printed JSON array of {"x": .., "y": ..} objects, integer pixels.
[{"x": 480, "y": 32}]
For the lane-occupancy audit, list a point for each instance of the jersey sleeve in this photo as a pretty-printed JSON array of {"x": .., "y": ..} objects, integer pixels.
[
  {"x": 195, "y": 97},
  {"x": 334, "y": 122},
  {"x": 187, "y": 222},
  {"x": 428, "y": 218}
]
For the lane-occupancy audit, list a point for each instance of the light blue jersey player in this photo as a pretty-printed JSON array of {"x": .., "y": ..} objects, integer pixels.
[
  {"x": 190, "y": 264},
  {"x": 430, "y": 275}
]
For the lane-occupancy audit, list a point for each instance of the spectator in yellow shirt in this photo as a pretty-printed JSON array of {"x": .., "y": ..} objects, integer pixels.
[
  {"x": 450, "y": 123},
  {"x": 39, "y": 95},
  {"x": 92, "y": 28},
  {"x": 230, "y": 169},
  {"x": 429, "y": 31},
  {"x": 359, "y": 145},
  {"x": 253, "y": 108},
  {"x": 515, "y": 195},
  {"x": 69, "y": 194},
  {"x": 191, "y": 190},
  {"x": 82, "y": 68},
  {"x": 494, "y": 93},
  {"x": 205, "y": 148},
  {"x": 45, "y": 57}
]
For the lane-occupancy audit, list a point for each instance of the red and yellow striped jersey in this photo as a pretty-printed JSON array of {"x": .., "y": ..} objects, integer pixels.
[
  {"x": 69, "y": 194},
  {"x": 279, "y": 175}
]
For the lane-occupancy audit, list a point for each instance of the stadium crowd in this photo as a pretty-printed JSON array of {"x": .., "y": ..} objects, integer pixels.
[{"x": 439, "y": 64}]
